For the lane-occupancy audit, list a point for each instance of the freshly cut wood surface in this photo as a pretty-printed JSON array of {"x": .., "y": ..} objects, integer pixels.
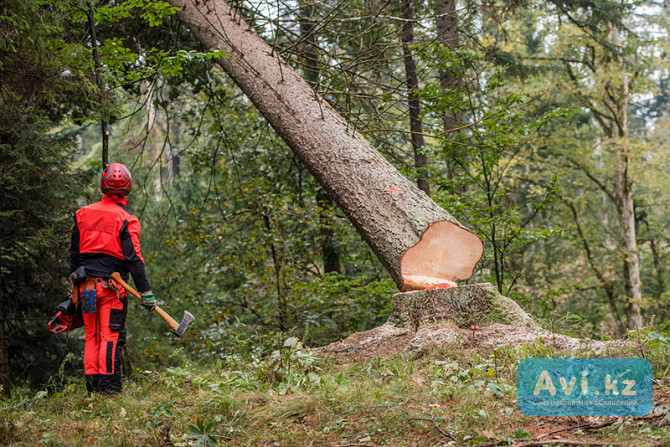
[
  {"x": 445, "y": 254},
  {"x": 418, "y": 282}
]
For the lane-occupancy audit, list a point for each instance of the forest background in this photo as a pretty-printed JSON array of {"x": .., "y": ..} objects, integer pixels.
[{"x": 543, "y": 126}]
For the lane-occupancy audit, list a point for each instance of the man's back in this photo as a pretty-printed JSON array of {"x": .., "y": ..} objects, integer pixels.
[
  {"x": 105, "y": 239},
  {"x": 99, "y": 225}
]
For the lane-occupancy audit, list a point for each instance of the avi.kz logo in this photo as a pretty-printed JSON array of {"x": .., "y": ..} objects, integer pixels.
[{"x": 584, "y": 387}]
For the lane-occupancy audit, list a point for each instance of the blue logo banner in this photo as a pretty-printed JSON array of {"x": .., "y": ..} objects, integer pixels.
[{"x": 584, "y": 387}]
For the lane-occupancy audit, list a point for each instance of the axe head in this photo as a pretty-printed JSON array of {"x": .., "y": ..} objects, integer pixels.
[{"x": 188, "y": 317}]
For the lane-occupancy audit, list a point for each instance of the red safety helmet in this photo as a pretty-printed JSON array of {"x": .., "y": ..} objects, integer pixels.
[{"x": 116, "y": 180}]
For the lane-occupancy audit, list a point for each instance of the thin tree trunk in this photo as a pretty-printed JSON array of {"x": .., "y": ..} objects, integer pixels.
[
  {"x": 654, "y": 247},
  {"x": 330, "y": 251},
  {"x": 667, "y": 86},
  {"x": 410, "y": 234},
  {"x": 309, "y": 56},
  {"x": 412, "y": 81},
  {"x": 175, "y": 147},
  {"x": 617, "y": 97},
  {"x": 446, "y": 25},
  {"x": 4, "y": 373},
  {"x": 170, "y": 168},
  {"x": 658, "y": 266},
  {"x": 614, "y": 124},
  {"x": 606, "y": 285},
  {"x": 624, "y": 195},
  {"x": 97, "y": 68},
  {"x": 280, "y": 278}
]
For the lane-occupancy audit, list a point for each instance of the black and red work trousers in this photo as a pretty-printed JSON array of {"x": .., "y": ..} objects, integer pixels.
[{"x": 105, "y": 329}]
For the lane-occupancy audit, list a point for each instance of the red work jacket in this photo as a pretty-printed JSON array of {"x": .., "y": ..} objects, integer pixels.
[{"x": 106, "y": 239}]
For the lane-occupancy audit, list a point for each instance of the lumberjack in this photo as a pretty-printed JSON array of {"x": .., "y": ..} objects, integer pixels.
[{"x": 105, "y": 239}]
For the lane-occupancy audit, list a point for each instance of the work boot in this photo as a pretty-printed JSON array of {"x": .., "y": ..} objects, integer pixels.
[
  {"x": 92, "y": 383},
  {"x": 110, "y": 383}
]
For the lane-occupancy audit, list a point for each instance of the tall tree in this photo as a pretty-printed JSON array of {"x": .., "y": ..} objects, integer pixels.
[
  {"x": 414, "y": 104},
  {"x": 608, "y": 102},
  {"x": 446, "y": 27},
  {"x": 618, "y": 100},
  {"x": 44, "y": 79},
  {"x": 408, "y": 232}
]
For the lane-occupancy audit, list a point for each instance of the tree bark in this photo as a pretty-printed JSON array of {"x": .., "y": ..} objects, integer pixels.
[
  {"x": 607, "y": 286},
  {"x": 625, "y": 208},
  {"x": 170, "y": 163},
  {"x": 614, "y": 125},
  {"x": 278, "y": 262},
  {"x": 667, "y": 86},
  {"x": 624, "y": 200},
  {"x": 97, "y": 68},
  {"x": 309, "y": 56},
  {"x": 330, "y": 251},
  {"x": 412, "y": 82},
  {"x": 658, "y": 266},
  {"x": 4, "y": 369},
  {"x": 175, "y": 148},
  {"x": 466, "y": 305},
  {"x": 446, "y": 26},
  {"x": 410, "y": 234}
]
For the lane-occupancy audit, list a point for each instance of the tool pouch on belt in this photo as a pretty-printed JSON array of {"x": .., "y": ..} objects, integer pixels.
[
  {"x": 78, "y": 276},
  {"x": 89, "y": 296}
]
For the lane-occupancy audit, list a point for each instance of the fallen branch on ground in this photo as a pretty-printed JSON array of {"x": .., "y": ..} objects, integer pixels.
[
  {"x": 525, "y": 443},
  {"x": 437, "y": 426}
]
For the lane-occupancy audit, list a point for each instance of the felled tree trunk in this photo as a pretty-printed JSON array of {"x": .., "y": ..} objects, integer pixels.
[
  {"x": 418, "y": 242},
  {"x": 309, "y": 57}
]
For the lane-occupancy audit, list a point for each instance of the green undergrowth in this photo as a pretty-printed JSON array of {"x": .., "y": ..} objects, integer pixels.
[{"x": 292, "y": 398}]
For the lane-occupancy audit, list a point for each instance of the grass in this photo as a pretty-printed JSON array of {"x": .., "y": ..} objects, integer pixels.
[{"x": 447, "y": 397}]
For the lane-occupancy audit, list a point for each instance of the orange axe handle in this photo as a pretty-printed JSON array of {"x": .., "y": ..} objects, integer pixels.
[{"x": 164, "y": 315}]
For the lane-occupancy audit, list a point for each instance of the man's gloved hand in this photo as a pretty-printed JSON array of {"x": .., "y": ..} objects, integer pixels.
[{"x": 148, "y": 300}]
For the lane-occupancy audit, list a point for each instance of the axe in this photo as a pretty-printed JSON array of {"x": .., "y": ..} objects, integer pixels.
[{"x": 178, "y": 328}]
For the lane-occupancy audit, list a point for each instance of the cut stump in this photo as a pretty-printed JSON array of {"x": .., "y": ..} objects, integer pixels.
[
  {"x": 448, "y": 317},
  {"x": 476, "y": 304}
]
